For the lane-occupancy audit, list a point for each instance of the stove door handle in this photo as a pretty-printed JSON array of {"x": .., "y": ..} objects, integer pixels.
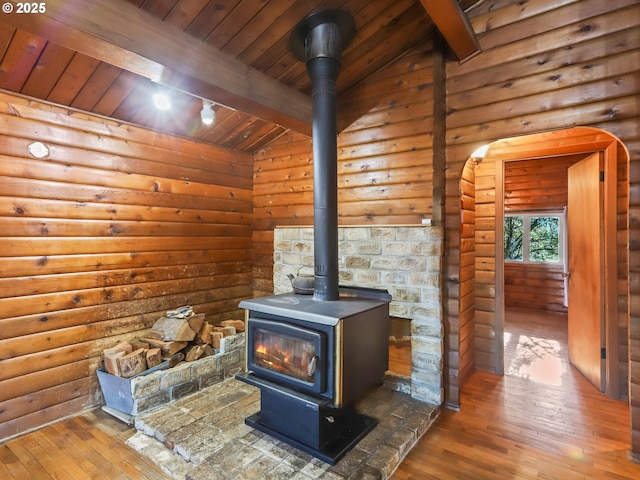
[{"x": 311, "y": 368}]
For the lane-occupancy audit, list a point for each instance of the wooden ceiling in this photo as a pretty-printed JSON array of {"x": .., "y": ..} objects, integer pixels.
[{"x": 101, "y": 57}]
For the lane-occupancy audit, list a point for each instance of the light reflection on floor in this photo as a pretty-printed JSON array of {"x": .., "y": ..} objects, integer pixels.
[{"x": 534, "y": 358}]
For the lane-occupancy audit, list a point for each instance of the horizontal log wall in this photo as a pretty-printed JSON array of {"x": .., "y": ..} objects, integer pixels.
[
  {"x": 464, "y": 341},
  {"x": 485, "y": 266},
  {"x": 537, "y": 287},
  {"x": 527, "y": 80},
  {"x": 537, "y": 184},
  {"x": 97, "y": 240},
  {"x": 384, "y": 163}
]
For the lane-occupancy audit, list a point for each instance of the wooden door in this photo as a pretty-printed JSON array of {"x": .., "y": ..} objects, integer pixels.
[{"x": 586, "y": 299}]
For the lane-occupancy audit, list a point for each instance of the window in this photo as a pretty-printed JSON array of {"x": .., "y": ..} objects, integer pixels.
[{"x": 534, "y": 237}]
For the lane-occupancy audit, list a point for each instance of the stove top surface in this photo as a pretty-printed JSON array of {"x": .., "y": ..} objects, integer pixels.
[{"x": 352, "y": 301}]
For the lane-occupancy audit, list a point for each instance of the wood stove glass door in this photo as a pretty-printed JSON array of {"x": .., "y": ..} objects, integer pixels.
[{"x": 286, "y": 353}]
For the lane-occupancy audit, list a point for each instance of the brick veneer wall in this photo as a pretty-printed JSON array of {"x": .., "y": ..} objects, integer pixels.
[{"x": 406, "y": 261}]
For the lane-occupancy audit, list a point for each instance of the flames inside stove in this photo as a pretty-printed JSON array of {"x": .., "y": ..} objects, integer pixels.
[{"x": 284, "y": 354}]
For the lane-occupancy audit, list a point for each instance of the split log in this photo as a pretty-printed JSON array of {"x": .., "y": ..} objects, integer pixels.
[
  {"x": 174, "y": 329},
  {"x": 158, "y": 335},
  {"x": 196, "y": 321},
  {"x": 193, "y": 353},
  {"x": 136, "y": 343},
  {"x": 154, "y": 357},
  {"x": 132, "y": 363},
  {"x": 168, "y": 348},
  {"x": 208, "y": 351},
  {"x": 237, "y": 324},
  {"x": 175, "y": 359},
  {"x": 111, "y": 362},
  {"x": 216, "y": 337},
  {"x": 226, "y": 331},
  {"x": 121, "y": 347},
  {"x": 203, "y": 337},
  {"x": 111, "y": 356}
]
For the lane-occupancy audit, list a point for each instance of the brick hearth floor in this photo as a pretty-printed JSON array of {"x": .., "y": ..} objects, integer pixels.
[{"x": 204, "y": 437}]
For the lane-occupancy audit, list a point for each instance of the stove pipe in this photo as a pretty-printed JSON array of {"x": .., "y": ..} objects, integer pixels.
[{"x": 319, "y": 40}]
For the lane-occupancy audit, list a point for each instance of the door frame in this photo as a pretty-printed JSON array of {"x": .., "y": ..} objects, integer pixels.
[{"x": 608, "y": 146}]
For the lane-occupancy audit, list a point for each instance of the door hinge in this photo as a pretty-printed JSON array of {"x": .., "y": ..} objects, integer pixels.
[
  {"x": 602, "y": 176},
  {"x": 603, "y": 353}
]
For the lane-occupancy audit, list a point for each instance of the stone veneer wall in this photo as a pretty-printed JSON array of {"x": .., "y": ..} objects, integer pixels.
[
  {"x": 163, "y": 386},
  {"x": 406, "y": 261}
]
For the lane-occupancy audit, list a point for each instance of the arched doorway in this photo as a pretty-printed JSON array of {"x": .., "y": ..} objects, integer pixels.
[{"x": 482, "y": 263}]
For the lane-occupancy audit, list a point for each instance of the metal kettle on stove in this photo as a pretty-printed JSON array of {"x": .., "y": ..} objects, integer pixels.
[{"x": 302, "y": 283}]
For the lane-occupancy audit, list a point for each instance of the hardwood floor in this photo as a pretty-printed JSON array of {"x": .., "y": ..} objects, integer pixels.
[
  {"x": 541, "y": 420},
  {"x": 86, "y": 447}
]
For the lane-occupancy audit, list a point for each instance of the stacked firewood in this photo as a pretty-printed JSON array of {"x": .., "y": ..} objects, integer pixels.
[{"x": 181, "y": 335}]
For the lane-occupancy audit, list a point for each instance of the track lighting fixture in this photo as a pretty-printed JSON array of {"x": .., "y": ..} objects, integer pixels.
[{"x": 207, "y": 114}]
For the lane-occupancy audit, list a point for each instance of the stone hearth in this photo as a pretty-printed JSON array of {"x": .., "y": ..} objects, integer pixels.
[{"x": 203, "y": 437}]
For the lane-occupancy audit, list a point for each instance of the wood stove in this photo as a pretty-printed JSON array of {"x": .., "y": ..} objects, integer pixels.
[
  {"x": 312, "y": 361},
  {"x": 314, "y": 356}
]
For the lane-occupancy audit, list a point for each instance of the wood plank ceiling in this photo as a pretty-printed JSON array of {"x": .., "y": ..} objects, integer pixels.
[{"x": 253, "y": 32}]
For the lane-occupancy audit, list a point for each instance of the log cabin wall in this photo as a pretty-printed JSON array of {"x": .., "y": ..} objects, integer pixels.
[
  {"x": 536, "y": 185},
  {"x": 485, "y": 268},
  {"x": 384, "y": 163},
  {"x": 466, "y": 334},
  {"x": 544, "y": 67},
  {"x": 98, "y": 239},
  {"x": 536, "y": 287}
]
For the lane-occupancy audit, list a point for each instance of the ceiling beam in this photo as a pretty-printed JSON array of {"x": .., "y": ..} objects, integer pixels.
[
  {"x": 454, "y": 26},
  {"x": 118, "y": 33}
]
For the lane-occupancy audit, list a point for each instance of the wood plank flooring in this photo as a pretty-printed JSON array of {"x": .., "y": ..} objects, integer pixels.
[
  {"x": 542, "y": 420},
  {"x": 86, "y": 447}
]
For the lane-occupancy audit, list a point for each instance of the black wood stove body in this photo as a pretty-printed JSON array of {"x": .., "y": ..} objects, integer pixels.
[{"x": 312, "y": 361}]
